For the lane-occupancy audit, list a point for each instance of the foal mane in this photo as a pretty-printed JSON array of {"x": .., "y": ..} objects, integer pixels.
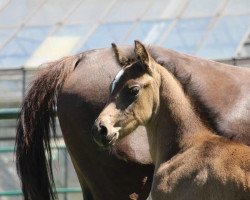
[{"x": 206, "y": 113}]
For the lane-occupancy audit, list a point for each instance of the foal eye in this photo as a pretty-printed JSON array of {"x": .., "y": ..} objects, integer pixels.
[{"x": 134, "y": 90}]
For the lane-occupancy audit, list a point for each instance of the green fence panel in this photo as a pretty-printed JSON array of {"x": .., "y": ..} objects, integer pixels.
[
  {"x": 12, "y": 113},
  {"x": 58, "y": 190},
  {"x": 9, "y": 113}
]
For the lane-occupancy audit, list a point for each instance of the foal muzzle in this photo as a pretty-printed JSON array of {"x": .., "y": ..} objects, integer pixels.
[{"x": 104, "y": 134}]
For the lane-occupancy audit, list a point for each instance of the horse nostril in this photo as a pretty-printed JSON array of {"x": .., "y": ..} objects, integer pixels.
[{"x": 103, "y": 130}]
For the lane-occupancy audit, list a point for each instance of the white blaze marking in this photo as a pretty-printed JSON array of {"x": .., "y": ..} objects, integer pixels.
[{"x": 117, "y": 78}]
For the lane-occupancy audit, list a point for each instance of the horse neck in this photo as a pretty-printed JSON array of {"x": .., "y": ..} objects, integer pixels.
[{"x": 176, "y": 125}]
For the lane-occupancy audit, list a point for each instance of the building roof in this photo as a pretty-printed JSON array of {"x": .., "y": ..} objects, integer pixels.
[{"x": 35, "y": 31}]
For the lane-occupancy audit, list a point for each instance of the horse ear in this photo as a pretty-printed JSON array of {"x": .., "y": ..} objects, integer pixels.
[
  {"x": 142, "y": 55},
  {"x": 121, "y": 59}
]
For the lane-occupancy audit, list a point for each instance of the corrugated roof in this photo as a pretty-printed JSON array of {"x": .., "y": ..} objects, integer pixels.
[{"x": 36, "y": 31}]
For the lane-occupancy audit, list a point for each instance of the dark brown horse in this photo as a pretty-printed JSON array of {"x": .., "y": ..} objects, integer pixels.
[
  {"x": 79, "y": 87},
  {"x": 191, "y": 160}
]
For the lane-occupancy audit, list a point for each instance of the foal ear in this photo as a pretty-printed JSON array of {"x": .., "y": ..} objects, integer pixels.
[
  {"x": 121, "y": 59},
  {"x": 142, "y": 55}
]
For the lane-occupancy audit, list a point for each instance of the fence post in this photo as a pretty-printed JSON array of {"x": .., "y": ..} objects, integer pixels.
[{"x": 23, "y": 81}]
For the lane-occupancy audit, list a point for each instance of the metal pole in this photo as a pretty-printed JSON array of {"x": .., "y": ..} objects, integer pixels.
[
  {"x": 24, "y": 81},
  {"x": 66, "y": 173},
  {"x": 9, "y": 113}
]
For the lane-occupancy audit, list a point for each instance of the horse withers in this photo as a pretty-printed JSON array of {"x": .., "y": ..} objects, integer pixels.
[{"x": 191, "y": 160}]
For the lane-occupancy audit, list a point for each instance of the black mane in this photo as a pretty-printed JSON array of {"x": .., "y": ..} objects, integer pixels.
[{"x": 206, "y": 113}]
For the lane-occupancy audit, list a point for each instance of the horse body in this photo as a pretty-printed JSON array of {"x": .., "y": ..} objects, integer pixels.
[
  {"x": 82, "y": 84},
  {"x": 191, "y": 162}
]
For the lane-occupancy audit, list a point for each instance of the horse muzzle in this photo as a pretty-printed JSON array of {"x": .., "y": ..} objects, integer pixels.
[{"x": 104, "y": 134}]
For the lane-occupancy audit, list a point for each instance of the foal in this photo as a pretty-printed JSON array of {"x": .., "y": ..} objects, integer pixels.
[{"x": 191, "y": 163}]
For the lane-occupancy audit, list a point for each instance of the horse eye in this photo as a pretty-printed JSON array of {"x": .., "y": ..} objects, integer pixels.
[{"x": 134, "y": 90}]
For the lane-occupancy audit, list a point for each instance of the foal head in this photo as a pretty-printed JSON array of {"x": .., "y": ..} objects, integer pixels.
[{"x": 134, "y": 97}]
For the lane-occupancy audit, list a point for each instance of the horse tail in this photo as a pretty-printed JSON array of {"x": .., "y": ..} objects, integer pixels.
[{"x": 36, "y": 125}]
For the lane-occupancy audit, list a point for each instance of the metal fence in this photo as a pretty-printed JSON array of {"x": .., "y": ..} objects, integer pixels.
[
  {"x": 14, "y": 82},
  {"x": 66, "y": 181}
]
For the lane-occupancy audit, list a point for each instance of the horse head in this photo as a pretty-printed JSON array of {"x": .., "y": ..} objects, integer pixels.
[{"x": 133, "y": 100}]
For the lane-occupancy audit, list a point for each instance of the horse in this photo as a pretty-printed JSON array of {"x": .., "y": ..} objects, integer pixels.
[
  {"x": 191, "y": 160},
  {"x": 78, "y": 87}
]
